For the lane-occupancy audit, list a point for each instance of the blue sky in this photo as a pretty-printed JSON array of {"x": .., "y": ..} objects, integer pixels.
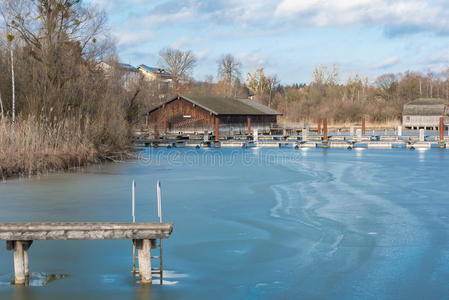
[{"x": 287, "y": 37}]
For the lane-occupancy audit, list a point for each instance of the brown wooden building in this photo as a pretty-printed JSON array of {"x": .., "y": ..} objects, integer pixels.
[{"x": 192, "y": 114}]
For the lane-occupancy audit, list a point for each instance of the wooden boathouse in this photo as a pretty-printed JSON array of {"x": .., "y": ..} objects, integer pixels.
[
  {"x": 425, "y": 113},
  {"x": 199, "y": 114}
]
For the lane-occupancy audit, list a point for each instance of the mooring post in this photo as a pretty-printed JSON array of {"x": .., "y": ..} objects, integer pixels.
[
  {"x": 305, "y": 134},
  {"x": 359, "y": 135},
  {"x": 249, "y": 125},
  {"x": 217, "y": 129},
  {"x": 165, "y": 127},
  {"x": 144, "y": 247},
  {"x": 19, "y": 263},
  {"x": 318, "y": 130},
  {"x": 156, "y": 132},
  {"x": 441, "y": 132},
  {"x": 363, "y": 125},
  {"x": 325, "y": 132},
  {"x": 421, "y": 135}
]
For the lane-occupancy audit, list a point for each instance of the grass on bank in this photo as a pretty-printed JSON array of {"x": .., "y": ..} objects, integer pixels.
[{"x": 32, "y": 146}]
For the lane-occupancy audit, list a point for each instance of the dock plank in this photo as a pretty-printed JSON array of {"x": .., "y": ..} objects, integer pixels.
[{"x": 83, "y": 231}]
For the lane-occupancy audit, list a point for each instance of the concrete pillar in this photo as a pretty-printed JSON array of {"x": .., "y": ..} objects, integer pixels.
[
  {"x": 363, "y": 126},
  {"x": 421, "y": 135},
  {"x": 351, "y": 130},
  {"x": 19, "y": 264},
  {"x": 206, "y": 136},
  {"x": 399, "y": 130},
  {"x": 441, "y": 128},
  {"x": 25, "y": 263},
  {"x": 359, "y": 135},
  {"x": 249, "y": 125},
  {"x": 305, "y": 134},
  {"x": 256, "y": 135},
  {"x": 217, "y": 129},
  {"x": 318, "y": 131},
  {"x": 385, "y": 131},
  {"x": 145, "y": 262}
]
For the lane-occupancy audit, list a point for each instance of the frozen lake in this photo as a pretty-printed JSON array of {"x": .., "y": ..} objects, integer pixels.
[{"x": 248, "y": 224}]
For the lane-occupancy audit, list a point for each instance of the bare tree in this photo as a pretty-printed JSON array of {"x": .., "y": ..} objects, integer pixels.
[
  {"x": 228, "y": 68},
  {"x": 179, "y": 63}
]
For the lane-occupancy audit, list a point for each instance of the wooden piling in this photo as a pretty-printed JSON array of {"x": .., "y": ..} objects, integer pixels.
[
  {"x": 145, "y": 261},
  {"x": 217, "y": 129},
  {"x": 156, "y": 132},
  {"x": 319, "y": 126},
  {"x": 325, "y": 141},
  {"x": 363, "y": 125},
  {"x": 441, "y": 128},
  {"x": 249, "y": 125},
  {"x": 19, "y": 263},
  {"x": 165, "y": 127},
  {"x": 325, "y": 129}
]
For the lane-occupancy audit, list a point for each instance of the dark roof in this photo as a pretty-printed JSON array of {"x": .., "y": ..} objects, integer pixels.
[
  {"x": 226, "y": 106},
  {"x": 427, "y": 107},
  {"x": 127, "y": 67},
  {"x": 428, "y": 101},
  {"x": 157, "y": 71}
]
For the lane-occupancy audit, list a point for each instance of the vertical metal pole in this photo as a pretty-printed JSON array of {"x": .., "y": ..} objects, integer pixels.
[
  {"x": 159, "y": 201},
  {"x": 159, "y": 214},
  {"x": 133, "y": 190}
]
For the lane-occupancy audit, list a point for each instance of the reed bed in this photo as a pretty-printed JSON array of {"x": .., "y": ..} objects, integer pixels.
[{"x": 35, "y": 146}]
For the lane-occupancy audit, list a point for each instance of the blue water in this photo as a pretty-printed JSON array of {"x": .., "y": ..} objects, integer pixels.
[{"x": 249, "y": 224}]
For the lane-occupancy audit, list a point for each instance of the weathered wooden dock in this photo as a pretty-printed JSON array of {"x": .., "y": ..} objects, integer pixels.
[{"x": 20, "y": 236}]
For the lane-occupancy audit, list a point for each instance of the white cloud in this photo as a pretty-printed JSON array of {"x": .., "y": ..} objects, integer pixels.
[
  {"x": 389, "y": 62},
  {"x": 400, "y": 15},
  {"x": 166, "y": 19},
  {"x": 185, "y": 42},
  {"x": 203, "y": 54},
  {"x": 129, "y": 37}
]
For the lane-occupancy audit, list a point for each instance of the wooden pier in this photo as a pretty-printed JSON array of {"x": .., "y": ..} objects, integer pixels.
[{"x": 20, "y": 236}]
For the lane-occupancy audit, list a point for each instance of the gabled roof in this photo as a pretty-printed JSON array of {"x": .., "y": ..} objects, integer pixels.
[
  {"x": 226, "y": 106},
  {"x": 156, "y": 71},
  {"x": 127, "y": 67},
  {"x": 428, "y": 101},
  {"x": 427, "y": 107}
]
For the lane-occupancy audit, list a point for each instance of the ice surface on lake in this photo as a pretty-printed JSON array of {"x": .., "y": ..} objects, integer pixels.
[{"x": 250, "y": 224}]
